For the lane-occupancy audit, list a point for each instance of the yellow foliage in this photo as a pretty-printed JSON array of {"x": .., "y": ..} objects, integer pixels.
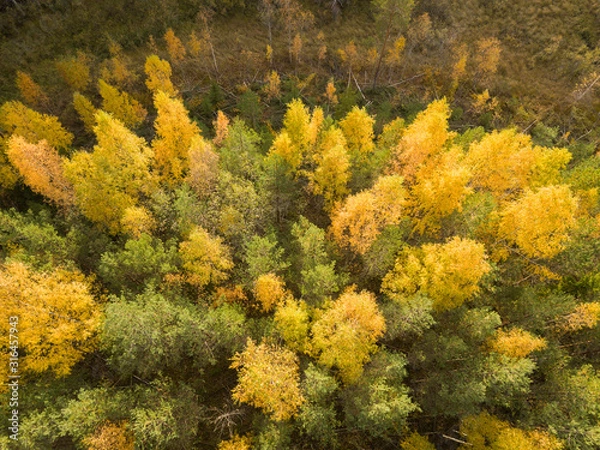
[
  {"x": 136, "y": 221},
  {"x": 314, "y": 127},
  {"x": 121, "y": 105},
  {"x": 273, "y": 86},
  {"x": 330, "y": 93},
  {"x": 195, "y": 45},
  {"x": 350, "y": 57},
  {"x": 75, "y": 71},
  {"x": 585, "y": 315},
  {"x": 292, "y": 323},
  {"x": 422, "y": 139},
  {"x": 31, "y": 92},
  {"x": 394, "y": 56},
  {"x": 539, "y": 222},
  {"x": 347, "y": 332},
  {"x": 116, "y": 71},
  {"x": 41, "y": 168},
  {"x": 204, "y": 166},
  {"x": 221, "y": 128},
  {"x": 459, "y": 69},
  {"x": 506, "y": 163},
  {"x": 285, "y": 148},
  {"x": 484, "y": 102},
  {"x": 330, "y": 138},
  {"x": 331, "y": 176},
  {"x": 439, "y": 189},
  {"x": 448, "y": 273},
  {"x": 236, "y": 443},
  {"x": 111, "y": 178},
  {"x": 110, "y": 436},
  {"x": 357, "y": 127},
  {"x": 516, "y": 343},
  {"x": 549, "y": 162},
  {"x": 269, "y": 290},
  {"x": 86, "y": 110},
  {"x": 158, "y": 73},
  {"x": 16, "y": 118},
  {"x": 174, "y": 134},
  {"x": 57, "y": 318},
  {"x": 361, "y": 218},
  {"x": 296, "y": 124},
  {"x": 486, "y": 432},
  {"x": 487, "y": 56},
  {"x": 416, "y": 442},
  {"x": 205, "y": 258},
  {"x": 268, "y": 378},
  {"x": 230, "y": 294},
  {"x": 175, "y": 47}
]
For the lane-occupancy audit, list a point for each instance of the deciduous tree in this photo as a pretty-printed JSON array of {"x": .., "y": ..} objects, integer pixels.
[
  {"x": 174, "y": 135},
  {"x": 268, "y": 378},
  {"x": 42, "y": 169},
  {"x": 56, "y": 317},
  {"x": 539, "y": 222},
  {"x": 111, "y": 178},
  {"x": 346, "y": 334}
]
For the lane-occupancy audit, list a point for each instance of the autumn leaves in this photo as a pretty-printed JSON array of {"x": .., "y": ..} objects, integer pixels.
[{"x": 211, "y": 219}]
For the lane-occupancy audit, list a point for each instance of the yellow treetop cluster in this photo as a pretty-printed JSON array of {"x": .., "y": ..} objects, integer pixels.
[
  {"x": 347, "y": 332},
  {"x": 269, "y": 290},
  {"x": 158, "y": 72},
  {"x": 41, "y": 168},
  {"x": 268, "y": 378},
  {"x": 292, "y": 322},
  {"x": 31, "y": 92},
  {"x": 16, "y": 118},
  {"x": 57, "y": 317},
  {"x": 75, "y": 71},
  {"x": 448, "y": 273},
  {"x": 423, "y": 138},
  {"x": 539, "y": 221},
  {"x": 174, "y": 135},
  {"x": 86, "y": 110},
  {"x": 205, "y": 258},
  {"x": 111, "y": 178},
  {"x": 357, "y": 127},
  {"x": 516, "y": 343},
  {"x": 361, "y": 218},
  {"x": 121, "y": 105},
  {"x": 486, "y": 432}
]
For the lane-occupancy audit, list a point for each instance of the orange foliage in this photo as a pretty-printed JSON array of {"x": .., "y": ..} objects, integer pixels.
[{"x": 41, "y": 167}]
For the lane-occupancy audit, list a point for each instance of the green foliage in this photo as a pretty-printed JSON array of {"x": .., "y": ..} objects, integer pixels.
[
  {"x": 263, "y": 255},
  {"x": 317, "y": 415},
  {"x": 318, "y": 277},
  {"x": 379, "y": 405},
  {"x": 33, "y": 239},
  {"x": 142, "y": 263},
  {"x": 152, "y": 334}
]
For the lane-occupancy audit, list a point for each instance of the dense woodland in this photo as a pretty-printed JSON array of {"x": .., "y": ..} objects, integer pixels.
[{"x": 285, "y": 224}]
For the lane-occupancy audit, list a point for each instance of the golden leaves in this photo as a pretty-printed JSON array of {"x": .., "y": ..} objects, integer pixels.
[
  {"x": 41, "y": 167},
  {"x": 516, "y": 343},
  {"x": 346, "y": 334},
  {"x": 205, "y": 258},
  {"x": 57, "y": 316},
  {"x": 539, "y": 222},
  {"x": 361, "y": 218},
  {"x": 268, "y": 378},
  {"x": 448, "y": 273}
]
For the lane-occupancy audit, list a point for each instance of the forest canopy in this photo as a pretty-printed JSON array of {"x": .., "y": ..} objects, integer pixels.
[{"x": 279, "y": 224}]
